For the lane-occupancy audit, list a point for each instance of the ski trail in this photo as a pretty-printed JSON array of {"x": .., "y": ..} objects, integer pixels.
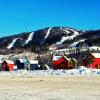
[
  {"x": 65, "y": 38},
  {"x": 30, "y": 37},
  {"x": 75, "y": 43},
  {"x": 48, "y": 33},
  {"x": 46, "y": 36},
  {"x": 12, "y": 43}
]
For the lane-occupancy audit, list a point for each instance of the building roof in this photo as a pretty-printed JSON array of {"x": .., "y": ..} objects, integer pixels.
[
  {"x": 33, "y": 61},
  {"x": 9, "y": 61},
  {"x": 55, "y": 58},
  {"x": 96, "y": 55},
  {"x": 74, "y": 59},
  {"x": 66, "y": 58},
  {"x": 22, "y": 60}
]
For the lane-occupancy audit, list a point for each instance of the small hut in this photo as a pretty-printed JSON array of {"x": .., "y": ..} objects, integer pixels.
[
  {"x": 96, "y": 62},
  {"x": 34, "y": 65},
  {"x": 7, "y": 65},
  {"x": 20, "y": 63},
  {"x": 60, "y": 62}
]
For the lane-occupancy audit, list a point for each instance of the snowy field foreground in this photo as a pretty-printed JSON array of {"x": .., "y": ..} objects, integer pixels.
[
  {"x": 50, "y": 88},
  {"x": 75, "y": 84},
  {"x": 80, "y": 71}
]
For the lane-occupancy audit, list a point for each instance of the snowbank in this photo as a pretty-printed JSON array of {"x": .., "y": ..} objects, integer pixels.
[{"x": 80, "y": 71}]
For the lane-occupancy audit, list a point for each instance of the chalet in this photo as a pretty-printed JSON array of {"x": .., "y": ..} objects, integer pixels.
[
  {"x": 20, "y": 63},
  {"x": 60, "y": 62},
  {"x": 7, "y": 65},
  {"x": 31, "y": 64},
  {"x": 96, "y": 62}
]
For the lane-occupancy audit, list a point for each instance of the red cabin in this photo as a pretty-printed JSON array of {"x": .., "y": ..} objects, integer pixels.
[
  {"x": 96, "y": 62},
  {"x": 7, "y": 65},
  {"x": 60, "y": 62}
]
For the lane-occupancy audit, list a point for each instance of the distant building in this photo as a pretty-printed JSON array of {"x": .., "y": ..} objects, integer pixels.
[
  {"x": 31, "y": 64},
  {"x": 60, "y": 62},
  {"x": 7, "y": 65},
  {"x": 96, "y": 62},
  {"x": 20, "y": 63}
]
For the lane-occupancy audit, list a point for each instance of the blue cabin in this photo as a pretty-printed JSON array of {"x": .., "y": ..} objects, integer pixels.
[{"x": 21, "y": 63}]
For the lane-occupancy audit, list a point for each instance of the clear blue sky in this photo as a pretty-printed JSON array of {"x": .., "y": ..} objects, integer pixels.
[{"x": 18, "y": 16}]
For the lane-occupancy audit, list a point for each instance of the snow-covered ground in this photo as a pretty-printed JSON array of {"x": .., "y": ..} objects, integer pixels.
[
  {"x": 80, "y": 71},
  {"x": 50, "y": 88}
]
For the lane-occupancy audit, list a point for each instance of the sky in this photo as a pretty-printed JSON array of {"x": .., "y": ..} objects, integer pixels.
[{"x": 18, "y": 16}]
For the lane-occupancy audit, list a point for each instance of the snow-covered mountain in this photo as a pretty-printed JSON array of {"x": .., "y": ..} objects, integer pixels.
[{"x": 53, "y": 37}]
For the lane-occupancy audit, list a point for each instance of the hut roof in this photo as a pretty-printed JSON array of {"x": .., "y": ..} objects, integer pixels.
[
  {"x": 74, "y": 59},
  {"x": 33, "y": 61},
  {"x": 66, "y": 58},
  {"x": 55, "y": 58},
  {"x": 22, "y": 60},
  {"x": 96, "y": 55},
  {"x": 9, "y": 61}
]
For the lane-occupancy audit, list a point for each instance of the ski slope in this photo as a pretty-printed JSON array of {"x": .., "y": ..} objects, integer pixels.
[
  {"x": 47, "y": 35},
  {"x": 12, "y": 43},
  {"x": 65, "y": 38},
  {"x": 76, "y": 43},
  {"x": 30, "y": 37}
]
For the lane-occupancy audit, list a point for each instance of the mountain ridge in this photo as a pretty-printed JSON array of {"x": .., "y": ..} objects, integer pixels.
[{"x": 51, "y": 37}]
